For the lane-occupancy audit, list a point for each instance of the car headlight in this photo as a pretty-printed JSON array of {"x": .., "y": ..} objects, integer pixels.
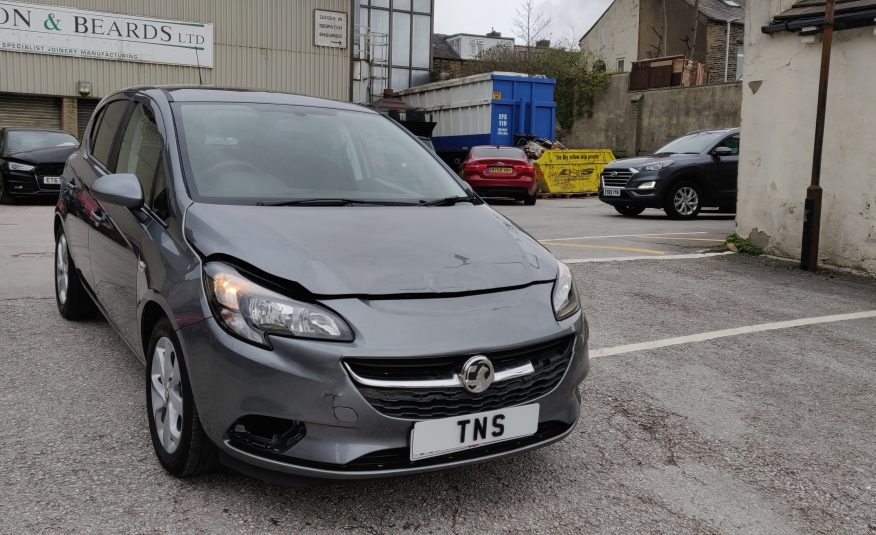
[
  {"x": 656, "y": 166},
  {"x": 647, "y": 185},
  {"x": 15, "y": 166},
  {"x": 565, "y": 295},
  {"x": 253, "y": 312}
]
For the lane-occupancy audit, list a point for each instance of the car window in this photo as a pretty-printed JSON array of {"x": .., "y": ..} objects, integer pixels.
[
  {"x": 241, "y": 153},
  {"x": 695, "y": 143},
  {"x": 496, "y": 152},
  {"x": 102, "y": 140},
  {"x": 141, "y": 148},
  {"x": 31, "y": 140},
  {"x": 731, "y": 143}
]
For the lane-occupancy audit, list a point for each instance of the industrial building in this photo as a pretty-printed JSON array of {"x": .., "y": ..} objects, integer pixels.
[{"x": 59, "y": 57}]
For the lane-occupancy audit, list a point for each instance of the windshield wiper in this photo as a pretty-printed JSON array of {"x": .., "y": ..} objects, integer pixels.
[
  {"x": 333, "y": 202},
  {"x": 449, "y": 201}
]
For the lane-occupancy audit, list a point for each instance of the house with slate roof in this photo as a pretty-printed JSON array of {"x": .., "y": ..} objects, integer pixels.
[{"x": 706, "y": 31}]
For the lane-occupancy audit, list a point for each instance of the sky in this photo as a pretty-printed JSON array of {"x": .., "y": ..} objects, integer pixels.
[{"x": 480, "y": 16}]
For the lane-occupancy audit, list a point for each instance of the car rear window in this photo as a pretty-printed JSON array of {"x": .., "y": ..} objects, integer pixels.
[{"x": 499, "y": 152}]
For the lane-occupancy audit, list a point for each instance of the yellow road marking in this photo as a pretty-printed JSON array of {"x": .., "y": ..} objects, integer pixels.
[
  {"x": 609, "y": 247},
  {"x": 685, "y": 239}
]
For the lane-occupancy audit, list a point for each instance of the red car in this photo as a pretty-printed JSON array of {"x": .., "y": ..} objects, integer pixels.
[{"x": 495, "y": 171}]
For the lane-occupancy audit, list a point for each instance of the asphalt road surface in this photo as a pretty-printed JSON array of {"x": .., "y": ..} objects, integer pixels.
[{"x": 765, "y": 429}]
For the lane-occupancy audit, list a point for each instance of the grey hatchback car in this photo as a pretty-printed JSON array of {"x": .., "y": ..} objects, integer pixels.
[{"x": 313, "y": 293}]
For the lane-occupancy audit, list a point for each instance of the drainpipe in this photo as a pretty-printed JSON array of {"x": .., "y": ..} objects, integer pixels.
[
  {"x": 727, "y": 51},
  {"x": 812, "y": 205}
]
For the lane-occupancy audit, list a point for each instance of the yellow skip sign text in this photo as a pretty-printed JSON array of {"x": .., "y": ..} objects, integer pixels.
[{"x": 572, "y": 171}]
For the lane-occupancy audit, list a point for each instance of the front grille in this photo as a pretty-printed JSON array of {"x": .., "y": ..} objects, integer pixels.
[
  {"x": 16, "y": 183},
  {"x": 49, "y": 169},
  {"x": 616, "y": 178},
  {"x": 549, "y": 360}
]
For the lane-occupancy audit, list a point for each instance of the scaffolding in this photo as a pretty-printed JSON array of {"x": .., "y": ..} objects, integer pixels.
[{"x": 373, "y": 64}]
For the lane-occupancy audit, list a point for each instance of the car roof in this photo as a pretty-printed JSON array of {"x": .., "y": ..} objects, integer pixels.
[
  {"x": 714, "y": 131},
  {"x": 494, "y": 147},
  {"x": 202, "y": 93}
]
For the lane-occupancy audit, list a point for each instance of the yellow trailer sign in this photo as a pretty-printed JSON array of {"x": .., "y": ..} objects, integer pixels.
[{"x": 571, "y": 171}]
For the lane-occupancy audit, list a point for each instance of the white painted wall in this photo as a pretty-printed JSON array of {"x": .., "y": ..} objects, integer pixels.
[
  {"x": 778, "y": 130},
  {"x": 468, "y": 45},
  {"x": 615, "y": 35}
]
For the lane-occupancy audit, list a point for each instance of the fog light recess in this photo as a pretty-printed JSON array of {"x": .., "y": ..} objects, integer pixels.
[{"x": 266, "y": 434}]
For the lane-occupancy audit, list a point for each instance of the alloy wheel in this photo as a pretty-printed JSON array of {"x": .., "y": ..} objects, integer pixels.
[
  {"x": 167, "y": 401},
  {"x": 686, "y": 201},
  {"x": 62, "y": 269}
]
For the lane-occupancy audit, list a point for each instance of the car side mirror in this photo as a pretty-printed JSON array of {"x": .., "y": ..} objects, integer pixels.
[
  {"x": 121, "y": 189},
  {"x": 723, "y": 151}
]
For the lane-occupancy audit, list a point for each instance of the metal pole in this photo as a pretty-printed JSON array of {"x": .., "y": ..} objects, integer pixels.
[
  {"x": 812, "y": 205},
  {"x": 727, "y": 55},
  {"x": 727, "y": 51}
]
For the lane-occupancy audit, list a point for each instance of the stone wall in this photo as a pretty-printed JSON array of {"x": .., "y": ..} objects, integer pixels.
[
  {"x": 453, "y": 68},
  {"x": 778, "y": 132},
  {"x": 639, "y": 122}
]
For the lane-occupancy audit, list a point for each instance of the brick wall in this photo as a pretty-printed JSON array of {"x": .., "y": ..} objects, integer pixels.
[
  {"x": 69, "y": 118},
  {"x": 716, "y": 42}
]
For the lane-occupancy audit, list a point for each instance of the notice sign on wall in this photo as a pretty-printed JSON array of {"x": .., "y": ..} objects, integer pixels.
[
  {"x": 62, "y": 31},
  {"x": 329, "y": 29}
]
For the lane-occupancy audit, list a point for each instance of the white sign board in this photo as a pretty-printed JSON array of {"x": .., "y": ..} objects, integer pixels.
[
  {"x": 329, "y": 29},
  {"x": 62, "y": 31}
]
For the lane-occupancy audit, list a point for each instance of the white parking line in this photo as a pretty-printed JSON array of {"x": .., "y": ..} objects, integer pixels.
[
  {"x": 703, "y": 337},
  {"x": 628, "y": 236},
  {"x": 626, "y": 258}
]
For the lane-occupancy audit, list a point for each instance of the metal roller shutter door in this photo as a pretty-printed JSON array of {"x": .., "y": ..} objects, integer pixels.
[
  {"x": 84, "y": 109},
  {"x": 29, "y": 112}
]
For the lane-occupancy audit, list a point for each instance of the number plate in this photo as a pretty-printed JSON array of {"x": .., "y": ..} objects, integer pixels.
[
  {"x": 51, "y": 180},
  {"x": 447, "y": 435},
  {"x": 500, "y": 170},
  {"x": 611, "y": 192}
]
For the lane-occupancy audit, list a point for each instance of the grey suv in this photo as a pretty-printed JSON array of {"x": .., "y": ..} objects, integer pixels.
[{"x": 313, "y": 293}]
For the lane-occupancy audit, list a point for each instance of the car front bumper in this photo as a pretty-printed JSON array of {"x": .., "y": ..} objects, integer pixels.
[
  {"x": 27, "y": 184},
  {"x": 306, "y": 382}
]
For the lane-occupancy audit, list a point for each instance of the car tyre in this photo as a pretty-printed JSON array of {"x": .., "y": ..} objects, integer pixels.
[
  {"x": 179, "y": 439},
  {"x": 530, "y": 200},
  {"x": 684, "y": 201},
  {"x": 628, "y": 210},
  {"x": 73, "y": 301},
  {"x": 5, "y": 198}
]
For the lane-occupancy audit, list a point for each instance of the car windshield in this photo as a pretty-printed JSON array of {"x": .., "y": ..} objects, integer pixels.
[
  {"x": 241, "y": 153},
  {"x": 499, "y": 152},
  {"x": 693, "y": 143},
  {"x": 30, "y": 140}
]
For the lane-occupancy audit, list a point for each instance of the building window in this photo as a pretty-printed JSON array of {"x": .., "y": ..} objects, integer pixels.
[{"x": 621, "y": 65}]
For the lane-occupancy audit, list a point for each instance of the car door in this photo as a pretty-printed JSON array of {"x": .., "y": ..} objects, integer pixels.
[
  {"x": 83, "y": 212},
  {"x": 726, "y": 171},
  {"x": 116, "y": 242}
]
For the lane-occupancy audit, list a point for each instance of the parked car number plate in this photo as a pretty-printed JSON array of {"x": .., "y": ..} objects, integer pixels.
[
  {"x": 611, "y": 192},
  {"x": 447, "y": 435},
  {"x": 500, "y": 170},
  {"x": 51, "y": 180}
]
